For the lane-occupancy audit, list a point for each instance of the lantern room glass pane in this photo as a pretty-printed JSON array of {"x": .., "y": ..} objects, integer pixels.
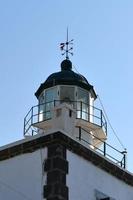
[
  {"x": 83, "y": 104},
  {"x": 67, "y": 94},
  {"x": 46, "y": 103},
  {"x": 41, "y": 107},
  {"x": 91, "y": 109},
  {"x": 50, "y": 96}
]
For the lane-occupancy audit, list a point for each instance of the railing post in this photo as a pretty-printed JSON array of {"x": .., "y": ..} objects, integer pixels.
[
  {"x": 125, "y": 158},
  {"x": 106, "y": 128},
  {"x": 79, "y": 133},
  {"x": 38, "y": 112},
  {"x": 124, "y": 161},
  {"x": 31, "y": 115},
  {"x": 24, "y": 126},
  {"x": 81, "y": 108},
  {"x": 101, "y": 118},
  {"x": 104, "y": 146},
  {"x": 89, "y": 116}
]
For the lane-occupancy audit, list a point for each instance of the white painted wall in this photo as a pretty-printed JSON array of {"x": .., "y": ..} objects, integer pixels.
[
  {"x": 85, "y": 178},
  {"x": 21, "y": 176}
]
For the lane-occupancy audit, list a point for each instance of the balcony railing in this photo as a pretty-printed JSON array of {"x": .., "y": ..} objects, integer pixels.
[
  {"x": 110, "y": 152},
  {"x": 43, "y": 112}
]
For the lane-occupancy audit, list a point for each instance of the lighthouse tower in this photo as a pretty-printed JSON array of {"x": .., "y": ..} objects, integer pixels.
[{"x": 64, "y": 154}]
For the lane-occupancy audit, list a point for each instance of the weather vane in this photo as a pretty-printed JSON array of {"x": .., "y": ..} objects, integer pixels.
[{"x": 66, "y": 47}]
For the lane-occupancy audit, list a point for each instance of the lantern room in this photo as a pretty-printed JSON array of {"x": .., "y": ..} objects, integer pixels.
[
  {"x": 67, "y": 86},
  {"x": 66, "y": 103}
]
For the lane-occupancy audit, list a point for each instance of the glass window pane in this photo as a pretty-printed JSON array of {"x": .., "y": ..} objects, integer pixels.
[
  {"x": 83, "y": 105},
  {"x": 91, "y": 109},
  {"x": 47, "y": 103},
  {"x": 83, "y": 96},
  {"x": 41, "y": 107},
  {"x": 51, "y": 95},
  {"x": 41, "y": 98},
  {"x": 67, "y": 93},
  {"x": 79, "y": 113}
]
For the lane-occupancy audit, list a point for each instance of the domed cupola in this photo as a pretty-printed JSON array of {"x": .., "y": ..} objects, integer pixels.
[
  {"x": 66, "y": 77},
  {"x": 66, "y": 65}
]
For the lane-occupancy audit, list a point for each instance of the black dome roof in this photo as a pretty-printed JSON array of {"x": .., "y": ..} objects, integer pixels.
[{"x": 65, "y": 77}]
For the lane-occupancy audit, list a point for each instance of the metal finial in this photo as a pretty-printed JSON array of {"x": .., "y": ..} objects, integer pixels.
[{"x": 66, "y": 47}]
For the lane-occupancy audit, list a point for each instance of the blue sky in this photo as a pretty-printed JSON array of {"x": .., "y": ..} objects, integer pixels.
[{"x": 30, "y": 34}]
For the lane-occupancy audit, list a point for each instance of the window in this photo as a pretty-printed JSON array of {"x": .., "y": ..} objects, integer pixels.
[
  {"x": 101, "y": 196},
  {"x": 83, "y": 104},
  {"x": 91, "y": 108},
  {"x": 67, "y": 93},
  {"x": 50, "y": 96},
  {"x": 46, "y": 103},
  {"x": 41, "y": 107}
]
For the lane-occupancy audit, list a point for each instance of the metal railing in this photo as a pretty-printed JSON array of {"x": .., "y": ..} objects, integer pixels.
[
  {"x": 118, "y": 157},
  {"x": 43, "y": 112},
  {"x": 36, "y": 114}
]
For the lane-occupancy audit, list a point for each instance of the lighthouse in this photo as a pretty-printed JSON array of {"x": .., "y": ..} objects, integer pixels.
[
  {"x": 66, "y": 102},
  {"x": 65, "y": 154}
]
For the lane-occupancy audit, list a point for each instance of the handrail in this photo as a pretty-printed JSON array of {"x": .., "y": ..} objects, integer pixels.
[
  {"x": 104, "y": 151},
  {"x": 100, "y": 139},
  {"x": 83, "y": 109},
  {"x": 97, "y": 148},
  {"x": 42, "y": 112}
]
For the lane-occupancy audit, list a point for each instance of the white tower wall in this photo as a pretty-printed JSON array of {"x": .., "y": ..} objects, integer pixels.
[
  {"x": 21, "y": 176},
  {"x": 86, "y": 181}
]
